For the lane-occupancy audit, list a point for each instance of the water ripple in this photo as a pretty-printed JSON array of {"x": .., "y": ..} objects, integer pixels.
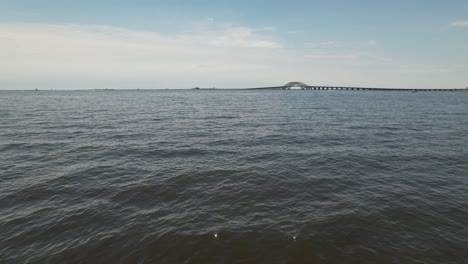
[{"x": 279, "y": 177}]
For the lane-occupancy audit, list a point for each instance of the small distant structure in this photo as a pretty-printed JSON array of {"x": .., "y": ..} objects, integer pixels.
[
  {"x": 196, "y": 88},
  {"x": 37, "y": 89},
  {"x": 106, "y": 89}
]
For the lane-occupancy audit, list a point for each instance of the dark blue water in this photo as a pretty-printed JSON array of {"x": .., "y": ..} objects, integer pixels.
[{"x": 152, "y": 176}]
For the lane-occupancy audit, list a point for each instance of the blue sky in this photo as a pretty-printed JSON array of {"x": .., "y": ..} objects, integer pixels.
[{"x": 177, "y": 44}]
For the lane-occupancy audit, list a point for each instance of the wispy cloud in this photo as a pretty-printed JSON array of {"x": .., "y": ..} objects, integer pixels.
[
  {"x": 267, "y": 28},
  {"x": 92, "y": 52},
  {"x": 342, "y": 45},
  {"x": 361, "y": 58},
  {"x": 242, "y": 37},
  {"x": 459, "y": 23},
  {"x": 372, "y": 43},
  {"x": 329, "y": 43}
]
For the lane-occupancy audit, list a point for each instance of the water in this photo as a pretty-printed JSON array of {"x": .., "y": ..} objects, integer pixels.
[{"x": 151, "y": 176}]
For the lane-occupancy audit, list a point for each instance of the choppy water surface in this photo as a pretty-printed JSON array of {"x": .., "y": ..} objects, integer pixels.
[{"x": 151, "y": 176}]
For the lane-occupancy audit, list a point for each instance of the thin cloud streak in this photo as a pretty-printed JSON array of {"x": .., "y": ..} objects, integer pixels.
[
  {"x": 242, "y": 37},
  {"x": 329, "y": 43},
  {"x": 459, "y": 23},
  {"x": 372, "y": 43}
]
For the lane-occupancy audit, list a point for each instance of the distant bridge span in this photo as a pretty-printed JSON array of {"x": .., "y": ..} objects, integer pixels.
[{"x": 303, "y": 86}]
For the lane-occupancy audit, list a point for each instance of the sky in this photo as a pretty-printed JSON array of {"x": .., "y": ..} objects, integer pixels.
[{"x": 142, "y": 44}]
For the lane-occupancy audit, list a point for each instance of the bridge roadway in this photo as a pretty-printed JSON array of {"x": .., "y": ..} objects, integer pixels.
[
  {"x": 303, "y": 86},
  {"x": 351, "y": 88}
]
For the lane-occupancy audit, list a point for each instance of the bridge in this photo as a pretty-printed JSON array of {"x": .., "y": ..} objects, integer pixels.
[{"x": 303, "y": 86}]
